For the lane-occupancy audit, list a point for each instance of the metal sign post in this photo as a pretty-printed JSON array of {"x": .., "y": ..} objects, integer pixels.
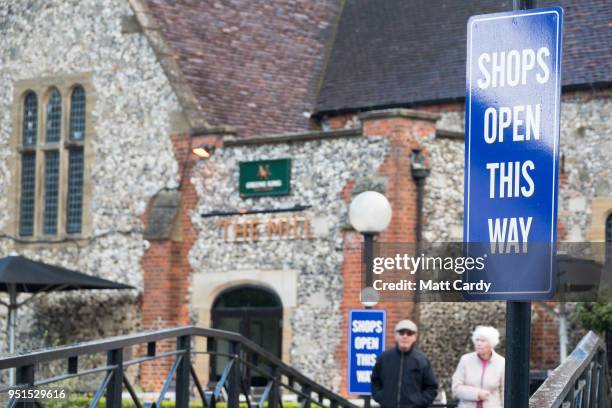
[
  {"x": 512, "y": 152},
  {"x": 518, "y": 329}
]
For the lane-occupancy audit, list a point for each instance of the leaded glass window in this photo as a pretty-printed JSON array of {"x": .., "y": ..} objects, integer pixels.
[
  {"x": 75, "y": 191},
  {"x": 52, "y": 159},
  {"x": 609, "y": 240},
  {"x": 28, "y": 194},
  {"x": 54, "y": 117},
  {"x": 30, "y": 119},
  {"x": 51, "y": 192},
  {"x": 77, "y": 114}
]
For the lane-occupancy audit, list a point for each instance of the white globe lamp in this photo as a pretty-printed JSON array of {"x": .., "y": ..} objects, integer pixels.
[{"x": 370, "y": 212}]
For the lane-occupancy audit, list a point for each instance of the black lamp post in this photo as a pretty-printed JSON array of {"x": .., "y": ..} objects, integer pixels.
[{"x": 370, "y": 214}]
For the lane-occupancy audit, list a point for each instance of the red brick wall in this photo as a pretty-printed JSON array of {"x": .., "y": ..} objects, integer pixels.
[
  {"x": 403, "y": 135},
  {"x": 167, "y": 271},
  {"x": 544, "y": 338}
]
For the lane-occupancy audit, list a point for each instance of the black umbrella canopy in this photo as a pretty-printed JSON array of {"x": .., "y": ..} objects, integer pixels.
[
  {"x": 578, "y": 271},
  {"x": 583, "y": 280},
  {"x": 32, "y": 277}
]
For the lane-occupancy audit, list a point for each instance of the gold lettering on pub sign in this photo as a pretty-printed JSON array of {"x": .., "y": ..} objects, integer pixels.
[{"x": 270, "y": 229}]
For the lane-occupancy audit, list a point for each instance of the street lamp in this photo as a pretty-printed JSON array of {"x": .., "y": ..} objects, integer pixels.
[{"x": 370, "y": 214}]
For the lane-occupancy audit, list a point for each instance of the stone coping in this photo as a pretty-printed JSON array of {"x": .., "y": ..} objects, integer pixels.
[
  {"x": 450, "y": 134},
  {"x": 230, "y": 141},
  {"x": 400, "y": 113},
  {"x": 213, "y": 130}
]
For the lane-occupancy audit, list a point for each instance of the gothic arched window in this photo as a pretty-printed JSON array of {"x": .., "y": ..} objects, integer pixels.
[
  {"x": 54, "y": 117},
  {"x": 30, "y": 119},
  {"x": 29, "y": 131},
  {"x": 77, "y": 113},
  {"x": 52, "y": 166}
]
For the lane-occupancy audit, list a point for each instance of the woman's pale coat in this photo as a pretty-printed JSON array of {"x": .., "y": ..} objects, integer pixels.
[{"x": 467, "y": 381}]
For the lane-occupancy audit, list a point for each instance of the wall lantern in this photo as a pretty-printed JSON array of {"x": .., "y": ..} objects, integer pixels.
[{"x": 203, "y": 151}]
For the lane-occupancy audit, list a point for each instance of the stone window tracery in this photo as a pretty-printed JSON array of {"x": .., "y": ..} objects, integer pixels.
[{"x": 52, "y": 167}]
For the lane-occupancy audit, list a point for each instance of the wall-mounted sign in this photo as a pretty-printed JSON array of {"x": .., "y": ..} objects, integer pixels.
[
  {"x": 255, "y": 229},
  {"x": 265, "y": 178}
]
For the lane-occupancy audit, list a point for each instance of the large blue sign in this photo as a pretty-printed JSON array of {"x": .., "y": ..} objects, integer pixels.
[
  {"x": 366, "y": 340},
  {"x": 512, "y": 151}
]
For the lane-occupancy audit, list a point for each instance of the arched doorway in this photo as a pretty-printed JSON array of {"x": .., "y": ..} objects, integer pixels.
[{"x": 256, "y": 313}]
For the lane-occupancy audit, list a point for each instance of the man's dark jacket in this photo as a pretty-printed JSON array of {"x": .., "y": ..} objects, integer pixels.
[{"x": 403, "y": 379}]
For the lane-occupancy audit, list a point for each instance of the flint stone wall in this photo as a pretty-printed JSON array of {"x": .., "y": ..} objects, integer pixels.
[
  {"x": 320, "y": 170},
  {"x": 586, "y": 143},
  {"x": 132, "y": 155},
  {"x": 586, "y": 146}
]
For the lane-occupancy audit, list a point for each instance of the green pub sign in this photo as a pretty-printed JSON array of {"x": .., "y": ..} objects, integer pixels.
[{"x": 265, "y": 178}]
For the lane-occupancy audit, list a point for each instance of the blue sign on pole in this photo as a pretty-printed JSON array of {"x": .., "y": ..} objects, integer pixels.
[
  {"x": 366, "y": 340},
  {"x": 512, "y": 152}
]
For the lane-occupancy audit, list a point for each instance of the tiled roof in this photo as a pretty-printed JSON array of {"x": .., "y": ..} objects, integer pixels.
[
  {"x": 252, "y": 64},
  {"x": 409, "y": 52}
]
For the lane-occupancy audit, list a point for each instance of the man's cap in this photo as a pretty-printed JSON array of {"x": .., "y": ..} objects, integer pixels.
[{"x": 406, "y": 325}]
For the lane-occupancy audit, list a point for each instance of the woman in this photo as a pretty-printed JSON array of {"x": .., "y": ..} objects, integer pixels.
[{"x": 478, "y": 381}]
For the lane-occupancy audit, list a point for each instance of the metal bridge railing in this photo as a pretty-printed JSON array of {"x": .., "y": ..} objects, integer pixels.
[
  {"x": 244, "y": 357},
  {"x": 581, "y": 381}
]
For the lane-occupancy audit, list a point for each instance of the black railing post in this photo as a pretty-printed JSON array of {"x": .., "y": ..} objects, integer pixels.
[
  {"x": 113, "y": 389},
  {"x": 603, "y": 386},
  {"x": 182, "y": 372},
  {"x": 274, "y": 397},
  {"x": 306, "y": 390},
  {"x": 233, "y": 392},
  {"x": 25, "y": 376}
]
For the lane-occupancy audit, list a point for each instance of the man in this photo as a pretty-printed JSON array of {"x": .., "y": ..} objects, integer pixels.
[{"x": 402, "y": 376}]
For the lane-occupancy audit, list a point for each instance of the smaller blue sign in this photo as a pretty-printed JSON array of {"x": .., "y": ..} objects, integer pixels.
[{"x": 366, "y": 340}]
